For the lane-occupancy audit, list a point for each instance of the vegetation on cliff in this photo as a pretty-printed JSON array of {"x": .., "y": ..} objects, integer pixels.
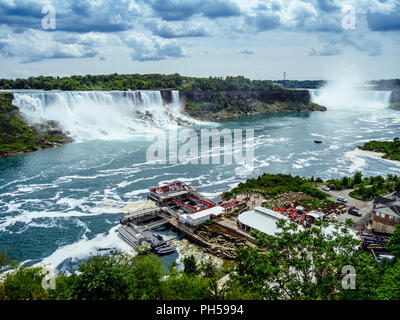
[
  {"x": 391, "y": 149},
  {"x": 17, "y": 136},
  {"x": 271, "y": 185},
  {"x": 224, "y": 107},
  {"x": 301, "y": 84}
]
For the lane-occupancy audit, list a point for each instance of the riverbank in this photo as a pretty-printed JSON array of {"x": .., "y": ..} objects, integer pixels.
[
  {"x": 17, "y": 136},
  {"x": 385, "y": 149},
  {"x": 370, "y": 154}
]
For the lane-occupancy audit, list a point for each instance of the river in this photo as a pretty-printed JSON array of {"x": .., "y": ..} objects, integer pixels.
[{"x": 59, "y": 206}]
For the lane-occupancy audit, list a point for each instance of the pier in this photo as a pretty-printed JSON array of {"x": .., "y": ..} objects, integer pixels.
[{"x": 176, "y": 205}]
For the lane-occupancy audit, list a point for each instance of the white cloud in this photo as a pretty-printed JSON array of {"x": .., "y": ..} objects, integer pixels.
[
  {"x": 33, "y": 45},
  {"x": 147, "y": 48}
]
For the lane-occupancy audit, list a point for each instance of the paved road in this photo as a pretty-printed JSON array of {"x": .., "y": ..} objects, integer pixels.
[{"x": 365, "y": 208}]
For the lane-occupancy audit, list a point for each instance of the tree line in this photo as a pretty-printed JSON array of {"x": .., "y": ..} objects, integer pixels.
[{"x": 137, "y": 82}]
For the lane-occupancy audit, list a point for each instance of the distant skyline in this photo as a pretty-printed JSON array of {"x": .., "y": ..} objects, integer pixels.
[{"x": 254, "y": 38}]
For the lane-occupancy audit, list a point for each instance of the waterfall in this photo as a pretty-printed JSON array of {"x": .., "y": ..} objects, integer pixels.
[
  {"x": 87, "y": 115},
  {"x": 175, "y": 97},
  {"x": 341, "y": 98}
]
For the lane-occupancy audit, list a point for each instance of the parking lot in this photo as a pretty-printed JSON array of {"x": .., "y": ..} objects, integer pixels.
[{"x": 364, "y": 207}]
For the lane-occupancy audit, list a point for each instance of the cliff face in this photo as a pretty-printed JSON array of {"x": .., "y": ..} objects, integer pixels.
[
  {"x": 17, "y": 136},
  {"x": 227, "y": 104},
  {"x": 298, "y": 96},
  {"x": 395, "y": 100},
  {"x": 396, "y": 96}
]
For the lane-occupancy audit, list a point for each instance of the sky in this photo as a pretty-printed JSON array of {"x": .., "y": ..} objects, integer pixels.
[{"x": 258, "y": 39}]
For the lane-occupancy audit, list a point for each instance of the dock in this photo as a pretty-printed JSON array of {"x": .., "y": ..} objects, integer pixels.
[{"x": 176, "y": 205}]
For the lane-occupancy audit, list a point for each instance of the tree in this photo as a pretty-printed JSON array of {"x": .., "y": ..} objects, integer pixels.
[
  {"x": 294, "y": 264},
  {"x": 208, "y": 269},
  {"x": 145, "y": 277},
  {"x": 102, "y": 278},
  {"x": 190, "y": 267},
  {"x": 397, "y": 186},
  {"x": 180, "y": 286},
  {"x": 393, "y": 245},
  {"x": 345, "y": 181},
  {"x": 396, "y": 142},
  {"x": 357, "y": 177},
  {"x": 25, "y": 283}
]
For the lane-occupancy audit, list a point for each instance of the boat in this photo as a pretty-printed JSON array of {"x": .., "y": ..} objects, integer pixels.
[
  {"x": 166, "y": 251},
  {"x": 317, "y": 141}
]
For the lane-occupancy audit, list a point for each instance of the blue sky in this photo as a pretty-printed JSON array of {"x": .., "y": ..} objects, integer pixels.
[{"x": 255, "y": 38}]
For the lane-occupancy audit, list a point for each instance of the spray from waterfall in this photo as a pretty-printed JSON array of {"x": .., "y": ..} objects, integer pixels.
[
  {"x": 347, "y": 89},
  {"x": 334, "y": 98},
  {"x": 88, "y": 115}
]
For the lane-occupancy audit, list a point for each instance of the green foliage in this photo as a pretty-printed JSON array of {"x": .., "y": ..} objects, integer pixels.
[
  {"x": 315, "y": 203},
  {"x": 391, "y": 149},
  {"x": 99, "y": 278},
  {"x": 295, "y": 264},
  {"x": 271, "y": 185},
  {"x": 145, "y": 279},
  {"x": 190, "y": 266},
  {"x": 23, "y": 284},
  {"x": 357, "y": 178},
  {"x": 115, "y": 277},
  {"x": 137, "y": 82},
  {"x": 393, "y": 245},
  {"x": 16, "y": 135},
  {"x": 366, "y": 188},
  {"x": 309, "y": 84},
  {"x": 180, "y": 286}
]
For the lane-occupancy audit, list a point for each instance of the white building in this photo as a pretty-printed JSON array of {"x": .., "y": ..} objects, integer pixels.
[
  {"x": 261, "y": 219},
  {"x": 200, "y": 217}
]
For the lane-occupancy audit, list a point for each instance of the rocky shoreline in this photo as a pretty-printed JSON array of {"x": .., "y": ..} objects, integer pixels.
[{"x": 223, "y": 242}]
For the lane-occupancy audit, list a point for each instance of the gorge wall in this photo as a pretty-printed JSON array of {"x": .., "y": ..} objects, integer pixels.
[
  {"x": 395, "y": 100},
  {"x": 228, "y": 104}
]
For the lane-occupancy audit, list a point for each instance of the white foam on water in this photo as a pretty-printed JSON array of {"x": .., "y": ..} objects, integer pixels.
[
  {"x": 27, "y": 217},
  {"x": 84, "y": 248},
  {"x": 357, "y": 162}
]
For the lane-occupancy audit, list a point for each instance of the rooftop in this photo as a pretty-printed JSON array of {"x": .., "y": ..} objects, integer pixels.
[
  {"x": 262, "y": 219},
  {"x": 271, "y": 213},
  {"x": 216, "y": 211},
  {"x": 389, "y": 204}
]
